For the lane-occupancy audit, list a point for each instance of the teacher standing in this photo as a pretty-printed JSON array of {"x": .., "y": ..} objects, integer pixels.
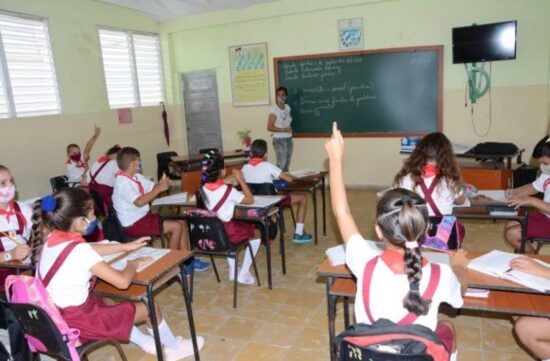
[{"x": 278, "y": 123}]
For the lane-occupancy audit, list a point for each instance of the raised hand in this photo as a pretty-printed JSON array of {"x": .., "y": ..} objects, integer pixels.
[{"x": 335, "y": 145}]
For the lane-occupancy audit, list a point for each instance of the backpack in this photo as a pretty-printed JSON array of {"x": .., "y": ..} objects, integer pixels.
[
  {"x": 386, "y": 341},
  {"x": 32, "y": 290}
]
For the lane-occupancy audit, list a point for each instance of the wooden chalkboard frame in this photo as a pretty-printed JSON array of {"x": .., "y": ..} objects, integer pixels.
[{"x": 437, "y": 48}]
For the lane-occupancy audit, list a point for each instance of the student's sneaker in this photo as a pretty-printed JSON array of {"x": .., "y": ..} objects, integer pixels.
[
  {"x": 183, "y": 349},
  {"x": 302, "y": 238},
  {"x": 200, "y": 265}
]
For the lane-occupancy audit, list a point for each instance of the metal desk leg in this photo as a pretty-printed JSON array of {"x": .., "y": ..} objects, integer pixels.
[
  {"x": 267, "y": 250},
  {"x": 346, "y": 312},
  {"x": 189, "y": 309},
  {"x": 314, "y": 197},
  {"x": 331, "y": 313},
  {"x": 154, "y": 322},
  {"x": 523, "y": 235},
  {"x": 323, "y": 197},
  {"x": 282, "y": 240}
]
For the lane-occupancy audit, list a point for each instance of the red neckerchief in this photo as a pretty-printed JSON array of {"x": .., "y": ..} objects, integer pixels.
[
  {"x": 57, "y": 237},
  {"x": 394, "y": 260},
  {"x": 430, "y": 170},
  {"x": 79, "y": 164},
  {"x": 255, "y": 161},
  {"x": 10, "y": 211},
  {"x": 103, "y": 159},
  {"x": 140, "y": 186},
  {"x": 212, "y": 186}
]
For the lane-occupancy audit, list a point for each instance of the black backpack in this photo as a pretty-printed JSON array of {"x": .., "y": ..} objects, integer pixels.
[{"x": 386, "y": 341}]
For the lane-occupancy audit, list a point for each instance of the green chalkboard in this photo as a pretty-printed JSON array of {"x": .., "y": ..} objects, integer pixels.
[{"x": 388, "y": 92}]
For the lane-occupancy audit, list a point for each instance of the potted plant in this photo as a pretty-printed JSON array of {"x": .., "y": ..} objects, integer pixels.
[{"x": 246, "y": 140}]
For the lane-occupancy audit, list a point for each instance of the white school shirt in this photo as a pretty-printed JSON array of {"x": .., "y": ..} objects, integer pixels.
[
  {"x": 442, "y": 195},
  {"x": 283, "y": 120},
  {"x": 13, "y": 225},
  {"x": 107, "y": 175},
  {"x": 542, "y": 184},
  {"x": 125, "y": 192},
  {"x": 70, "y": 285},
  {"x": 263, "y": 172},
  {"x": 75, "y": 173},
  {"x": 388, "y": 289},
  {"x": 225, "y": 213}
]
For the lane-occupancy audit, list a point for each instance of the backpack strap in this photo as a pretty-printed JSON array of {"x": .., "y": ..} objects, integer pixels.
[
  {"x": 57, "y": 264},
  {"x": 435, "y": 275},
  {"x": 92, "y": 176},
  {"x": 223, "y": 199},
  {"x": 428, "y": 195}
]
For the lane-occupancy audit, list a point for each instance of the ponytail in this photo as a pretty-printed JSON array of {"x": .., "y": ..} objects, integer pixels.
[
  {"x": 211, "y": 170},
  {"x": 403, "y": 220}
]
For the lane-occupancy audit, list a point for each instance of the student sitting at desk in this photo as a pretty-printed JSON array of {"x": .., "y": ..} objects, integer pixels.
[
  {"x": 68, "y": 267},
  {"x": 432, "y": 172},
  {"x": 77, "y": 163},
  {"x": 259, "y": 171},
  {"x": 102, "y": 174},
  {"x": 399, "y": 276},
  {"x": 533, "y": 332},
  {"x": 219, "y": 196},
  {"x": 15, "y": 225},
  {"x": 131, "y": 197},
  {"x": 538, "y": 223}
]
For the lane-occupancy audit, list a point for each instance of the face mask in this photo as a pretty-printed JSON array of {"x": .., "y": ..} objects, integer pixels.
[
  {"x": 281, "y": 99},
  {"x": 75, "y": 157},
  {"x": 140, "y": 168},
  {"x": 92, "y": 225},
  {"x": 545, "y": 169},
  {"x": 7, "y": 193}
]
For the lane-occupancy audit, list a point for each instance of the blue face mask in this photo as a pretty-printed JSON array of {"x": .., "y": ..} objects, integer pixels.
[
  {"x": 92, "y": 225},
  {"x": 140, "y": 168}
]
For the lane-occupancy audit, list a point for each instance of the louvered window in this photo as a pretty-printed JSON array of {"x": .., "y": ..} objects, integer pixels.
[
  {"x": 132, "y": 65},
  {"x": 28, "y": 85}
]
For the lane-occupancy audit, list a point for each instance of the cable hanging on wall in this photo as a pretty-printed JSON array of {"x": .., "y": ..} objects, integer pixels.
[{"x": 478, "y": 83}]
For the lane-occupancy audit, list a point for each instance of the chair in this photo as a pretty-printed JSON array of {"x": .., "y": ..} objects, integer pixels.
[
  {"x": 38, "y": 324},
  {"x": 163, "y": 160},
  {"x": 540, "y": 242},
  {"x": 59, "y": 182},
  {"x": 268, "y": 189},
  {"x": 112, "y": 228},
  {"x": 207, "y": 235}
]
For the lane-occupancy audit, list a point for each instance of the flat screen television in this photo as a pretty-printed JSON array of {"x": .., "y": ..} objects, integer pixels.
[{"x": 486, "y": 42}]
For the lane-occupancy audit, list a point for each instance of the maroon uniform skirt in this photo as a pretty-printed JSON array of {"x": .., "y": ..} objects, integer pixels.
[
  {"x": 538, "y": 226},
  {"x": 286, "y": 201},
  {"x": 146, "y": 226},
  {"x": 239, "y": 231},
  {"x": 98, "y": 321}
]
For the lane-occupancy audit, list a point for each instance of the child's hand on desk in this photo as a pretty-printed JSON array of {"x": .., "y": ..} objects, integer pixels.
[
  {"x": 529, "y": 265},
  {"x": 20, "y": 252},
  {"x": 458, "y": 258},
  {"x": 522, "y": 201},
  {"x": 335, "y": 145},
  {"x": 138, "y": 243}
]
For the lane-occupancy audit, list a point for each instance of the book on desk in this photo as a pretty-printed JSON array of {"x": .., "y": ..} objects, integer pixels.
[
  {"x": 501, "y": 210},
  {"x": 497, "y": 263}
]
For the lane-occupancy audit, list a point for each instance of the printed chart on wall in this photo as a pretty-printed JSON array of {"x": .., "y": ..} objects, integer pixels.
[{"x": 249, "y": 74}]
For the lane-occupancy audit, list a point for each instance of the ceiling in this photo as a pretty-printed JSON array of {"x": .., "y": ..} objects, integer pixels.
[{"x": 163, "y": 10}]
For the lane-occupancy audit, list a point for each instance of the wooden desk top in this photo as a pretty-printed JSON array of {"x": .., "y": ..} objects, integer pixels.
[{"x": 481, "y": 212}]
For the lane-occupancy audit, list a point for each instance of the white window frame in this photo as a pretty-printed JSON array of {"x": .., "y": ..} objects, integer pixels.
[
  {"x": 12, "y": 112},
  {"x": 134, "y": 73}
]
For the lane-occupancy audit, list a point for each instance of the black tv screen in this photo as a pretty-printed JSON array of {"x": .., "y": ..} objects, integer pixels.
[{"x": 486, "y": 42}]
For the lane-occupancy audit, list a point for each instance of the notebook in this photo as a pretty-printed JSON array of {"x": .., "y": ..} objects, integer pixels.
[
  {"x": 498, "y": 210},
  {"x": 155, "y": 253},
  {"x": 303, "y": 173},
  {"x": 177, "y": 198},
  {"x": 497, "y": 263}
]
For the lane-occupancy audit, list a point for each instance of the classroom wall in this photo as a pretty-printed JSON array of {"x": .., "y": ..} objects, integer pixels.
[
  {"x": 517, "y": 109},
  {"x": 34, "y": 147}
]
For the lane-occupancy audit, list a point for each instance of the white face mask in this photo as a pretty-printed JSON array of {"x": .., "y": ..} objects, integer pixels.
[
  {"x": 545, "y": 169},
  {"x": 7, "y": 193},
  {"x": 281, "y": 99}
]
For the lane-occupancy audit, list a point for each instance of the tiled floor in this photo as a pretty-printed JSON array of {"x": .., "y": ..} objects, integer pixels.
[{"x": 289, "y": 322}]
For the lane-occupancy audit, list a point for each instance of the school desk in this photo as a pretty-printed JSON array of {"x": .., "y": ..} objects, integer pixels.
[
  {"x": 481, "y": 212},
  {"x": 505, "y": 296},
  {"x": 146, "y": 282},
  {"x": 264, "y": 207},
  {"x": 311, "y": 184}
]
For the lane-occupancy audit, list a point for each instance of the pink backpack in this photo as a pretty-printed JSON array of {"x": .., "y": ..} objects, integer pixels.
[{"x": 32, "y": 290}]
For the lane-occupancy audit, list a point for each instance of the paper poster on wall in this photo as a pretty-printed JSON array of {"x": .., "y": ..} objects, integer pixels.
[
  {"x": 124, "y": 116},
  {"x": 350, "y": 33},
  {"x": 249, "y": 74}
]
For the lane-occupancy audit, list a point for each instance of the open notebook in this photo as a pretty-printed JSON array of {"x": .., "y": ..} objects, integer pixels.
[
  {"x": 497, "y": 263},
  {"x": 155, "y": 253}
]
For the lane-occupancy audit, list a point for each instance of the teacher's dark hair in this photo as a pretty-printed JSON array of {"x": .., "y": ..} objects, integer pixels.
[{"x": 283, "y": 89}]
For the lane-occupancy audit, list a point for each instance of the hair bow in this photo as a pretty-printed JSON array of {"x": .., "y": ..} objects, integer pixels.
[{"x": 48, "y": 203}]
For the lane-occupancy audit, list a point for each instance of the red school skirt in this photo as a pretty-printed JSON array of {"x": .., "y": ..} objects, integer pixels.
[
  {"x": 146, "y": 226},
  {"x": 538, "y": 226},
  {"x": 98, "y": 321},
  {"x": 239, "y": 231}
]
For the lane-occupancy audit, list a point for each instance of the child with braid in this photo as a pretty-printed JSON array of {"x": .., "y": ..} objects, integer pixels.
[
  {"x": 68, "y": 267},
  {"x": 403, "y": 280}
]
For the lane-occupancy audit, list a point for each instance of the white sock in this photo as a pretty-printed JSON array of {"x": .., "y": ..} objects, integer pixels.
[
  {"x": 255, "y": 244},
  {"x": 453, "y": 356},
  {"x": 167, "y": 338},
  {"x": 299, "y": 228},
  {"x": 138, "y": 337},
  {"x": 231, "y": 264}
]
